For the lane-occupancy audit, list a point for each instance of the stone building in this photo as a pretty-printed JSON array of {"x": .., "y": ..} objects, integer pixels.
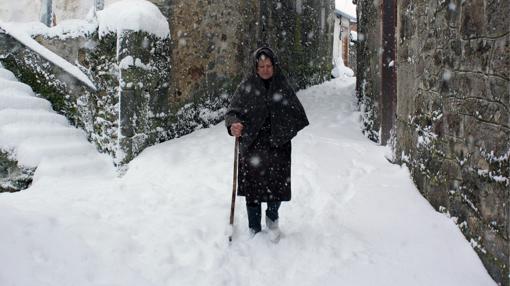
[
  {"x": 345, "y": 24},
  {"x": 434, "y": 82}
]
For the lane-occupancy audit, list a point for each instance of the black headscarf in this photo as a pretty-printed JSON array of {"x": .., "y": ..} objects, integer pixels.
[
  {"x": 253, "y": 103},
  {"x": 264, "y": 51}
]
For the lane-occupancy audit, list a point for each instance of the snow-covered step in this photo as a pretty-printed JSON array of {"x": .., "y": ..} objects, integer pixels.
[
  {"x": 37, "y": 137},
  {"x": 7, "y": 74},
  {"x": 11, "y": 90},
  {"x": 58, "y": 141},
  {"x": 9, "y": 115},
  {"x": 11, "y": 135},
  {"x": 16, "y": 85},
  {"x": 31, "y": 153},
  {"x": 20, "y": 101},
  {"x": 75, "y": 166}
]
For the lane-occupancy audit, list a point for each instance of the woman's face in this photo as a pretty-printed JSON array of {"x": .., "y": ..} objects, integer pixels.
[{"x": 265, "y": 68}]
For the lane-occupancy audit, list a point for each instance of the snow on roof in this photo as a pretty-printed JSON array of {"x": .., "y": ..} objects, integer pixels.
[
  {"x": 21, "y": 35},
  {"x": 345, "y": 8},
  {"x": 136, "y": 15}
]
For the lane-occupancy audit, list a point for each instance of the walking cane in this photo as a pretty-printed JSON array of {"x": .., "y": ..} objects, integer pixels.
[{"x": 234, "y": 185}]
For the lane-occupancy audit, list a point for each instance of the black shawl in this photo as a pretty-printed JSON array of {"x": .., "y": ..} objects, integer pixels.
[{"x": 253, "y": 103}]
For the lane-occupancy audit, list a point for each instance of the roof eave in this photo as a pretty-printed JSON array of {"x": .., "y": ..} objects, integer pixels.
[{"x": 345, "y": 15}]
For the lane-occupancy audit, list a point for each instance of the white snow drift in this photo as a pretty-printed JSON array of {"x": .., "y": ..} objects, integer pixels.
[{"x": 136, "y": 15}]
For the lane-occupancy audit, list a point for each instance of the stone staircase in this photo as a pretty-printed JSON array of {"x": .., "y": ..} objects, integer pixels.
[{"x": 37, "y": 138}]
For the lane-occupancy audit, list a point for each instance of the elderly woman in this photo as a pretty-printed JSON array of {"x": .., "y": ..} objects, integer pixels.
[{"x": 265, "y": 114}]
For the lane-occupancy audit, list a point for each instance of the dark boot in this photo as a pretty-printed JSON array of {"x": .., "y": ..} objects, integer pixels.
[
  {"x": 272, "y": 210},
  {"x": 272, "y": 221},
  {"x": 254, "y": 217}
]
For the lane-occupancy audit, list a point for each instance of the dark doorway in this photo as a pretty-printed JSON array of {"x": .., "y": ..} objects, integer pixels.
[{"x": 388, "y": 99}]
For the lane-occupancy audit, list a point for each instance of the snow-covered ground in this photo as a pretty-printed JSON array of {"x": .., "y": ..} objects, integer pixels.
[{"x": 354, "y": 219}]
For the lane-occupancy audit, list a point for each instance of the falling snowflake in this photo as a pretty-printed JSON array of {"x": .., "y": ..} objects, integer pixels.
[
  {"x": 255, "y": 161},
  {"x": 447, "y": 75}
]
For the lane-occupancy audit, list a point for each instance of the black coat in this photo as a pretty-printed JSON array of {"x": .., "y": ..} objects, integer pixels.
[{"x": 271, "y": 118}]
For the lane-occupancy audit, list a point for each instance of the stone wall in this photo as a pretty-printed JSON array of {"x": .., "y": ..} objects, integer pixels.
[
  {"x": 453, "y": 124},
  {"x": 130, "y": 110},
  {"x": 353, "y": 55},
  {"x": 368, "y": 71},
  {"x": 211, "y": 44},
  {"x": 452, "y": 121},
  {"x": 12, "y": 176},
  {"x": 208, "y": 49},
  {"x": 302, "y": 34},
  {"x": 144, "y": 66}
]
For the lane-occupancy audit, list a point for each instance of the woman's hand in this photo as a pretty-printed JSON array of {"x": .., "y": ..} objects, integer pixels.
[{"x": 236, "y": 129}]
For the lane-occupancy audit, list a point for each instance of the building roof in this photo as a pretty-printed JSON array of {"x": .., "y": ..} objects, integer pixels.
[
  {"x": 346, "y": 14},
  {"x": 346, "y": 9}
]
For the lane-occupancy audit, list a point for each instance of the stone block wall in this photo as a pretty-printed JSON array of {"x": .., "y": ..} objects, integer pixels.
[
  {"x": 143, "y": 103},
  {"x": 208, "y": 49},
  {"x": 353, "y": 55},
  {"x": 12, "y": 176},
  {"x": 368, "y": 70},
  {"x": 453, "y": 124},
  {"x": 453, "y": 101},
  {"x": 211, "y": 45},
  {"x": 302, "y": 34}
]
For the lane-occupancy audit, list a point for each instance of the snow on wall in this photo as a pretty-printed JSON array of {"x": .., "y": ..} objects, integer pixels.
[
  {"x": 136, "y": 15},
  {"x": 118, "y": 15},
  {"x": 29, "y": 10},
  {"x": 71, "y": 28},
  {"x": 20, "y": 10}
]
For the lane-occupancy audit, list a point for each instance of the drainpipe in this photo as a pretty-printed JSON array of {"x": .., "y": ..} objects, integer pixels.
[{"x": 47, "y": 12}]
